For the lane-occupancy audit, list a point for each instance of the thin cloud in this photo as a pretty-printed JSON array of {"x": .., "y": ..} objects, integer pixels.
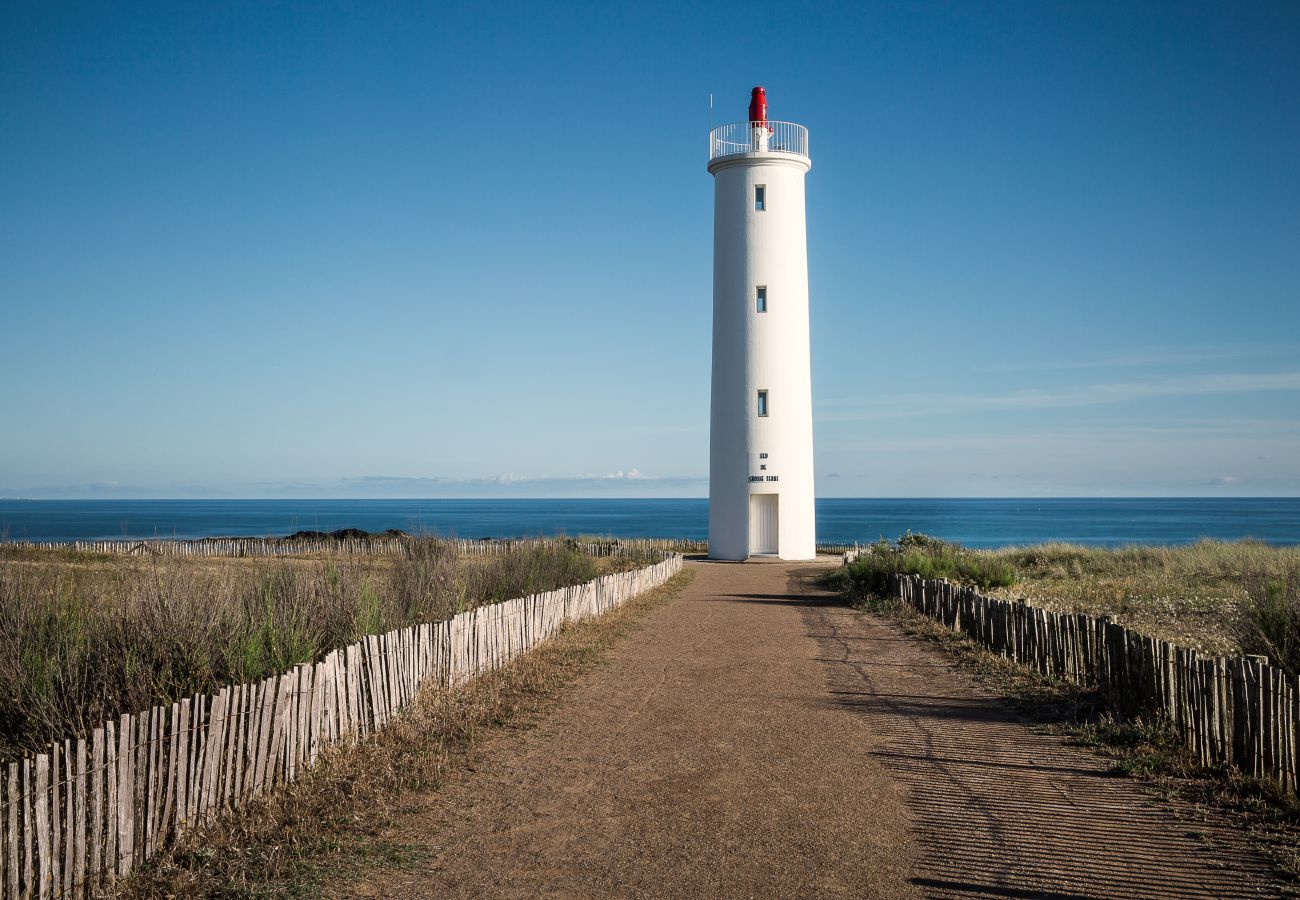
[
  {"x": 632, "y": 474},
  {"x": 1140, "y": 360},
  {"x": 106, "y": 490},
  {"x": 995, "y": 437},
  {"x": 614, "y": 483},
  {"x": 912, "y": 405}
]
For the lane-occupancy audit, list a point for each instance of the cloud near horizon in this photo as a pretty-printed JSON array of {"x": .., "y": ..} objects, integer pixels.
[{"x": 381, "y": 486}]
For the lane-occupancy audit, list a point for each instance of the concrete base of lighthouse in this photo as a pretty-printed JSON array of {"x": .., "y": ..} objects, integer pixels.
[{"x": 760, "y": 524}]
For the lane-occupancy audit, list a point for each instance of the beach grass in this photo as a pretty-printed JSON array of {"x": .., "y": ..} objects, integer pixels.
[
  {"x": 334, "y": 828},
  {"x": 1222, "y": 597},
  {"x": 84, "y": 637}
]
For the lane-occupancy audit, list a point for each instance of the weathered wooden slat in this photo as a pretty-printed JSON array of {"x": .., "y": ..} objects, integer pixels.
[
  {"x": 41, "y": 806},
  {"x": 169, "y": 738},
  {"x": 5, "y": 803},
  {"x": 152, "y": 795},
  {"x": 56, "y": 819},
  {"x": 353, "y": 684},
  {"x": 125, "y": 795},
  {"x": 139, "y": 799},
  {"x": 375, "y": 681},
  {"x": 265, "y": 722},
  {"x": 280, "y": 728},
  {"x": 80, "y": 818},
  {"x": 29, "y": 831},
  {"x": 10, "y": 825},
  {"x": 252, "y": 737},
  {"x": 68, "y": 791},
  {"x": 319, "y": 675},
  {"x": 230, "y": 749},
  {"x": 182, "y": 764},
  {"x": 213, "y": 744},
  {"x": 198, "y": 747},
  {"x": 95, "y": 833}
]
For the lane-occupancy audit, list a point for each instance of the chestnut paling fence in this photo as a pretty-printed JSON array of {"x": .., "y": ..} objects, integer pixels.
[
  {"x": 1237, "y": 710},
  {"x": 93, "y": 807},
  {"x": 377, "y": 546}
]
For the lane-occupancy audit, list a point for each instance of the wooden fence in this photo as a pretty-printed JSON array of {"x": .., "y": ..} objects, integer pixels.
[
  {"x": 1236, "y": 710},
  {"x": 92, "y": 807},
  {"x": 379, "y": 546}
]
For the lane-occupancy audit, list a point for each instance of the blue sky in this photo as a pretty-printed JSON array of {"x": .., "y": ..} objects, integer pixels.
[{"x": 397, "y": 249}]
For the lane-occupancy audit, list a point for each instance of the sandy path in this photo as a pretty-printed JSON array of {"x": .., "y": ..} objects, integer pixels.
[
  {"x": 755, "y": 738},
  {"x": 1000, "y": 810}
]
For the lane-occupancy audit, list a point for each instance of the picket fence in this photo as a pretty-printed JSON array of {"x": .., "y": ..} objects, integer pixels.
[
  {"x": 379, "y": 546},
  {"x": 1238, "y": 710},
  {"x": 87, "y": 811}
]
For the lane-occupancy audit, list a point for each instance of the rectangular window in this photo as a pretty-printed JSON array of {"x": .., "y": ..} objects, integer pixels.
[
  {"x": 762, "y": 403},
  {"x": 760, "y": 197},
  {"x": 760, "y": 302}
]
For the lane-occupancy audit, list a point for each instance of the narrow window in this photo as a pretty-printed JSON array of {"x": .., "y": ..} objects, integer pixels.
[
  {"x": 760, "y": 303},
  {"x": 762, "y": 403},
  {"x": 760, "y": 197}
]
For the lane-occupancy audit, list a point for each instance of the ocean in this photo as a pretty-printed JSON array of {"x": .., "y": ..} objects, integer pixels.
[{"x": 975, "y": 523}]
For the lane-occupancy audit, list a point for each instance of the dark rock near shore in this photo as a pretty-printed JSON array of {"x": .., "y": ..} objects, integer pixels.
[{"x": 345, "y": 534}]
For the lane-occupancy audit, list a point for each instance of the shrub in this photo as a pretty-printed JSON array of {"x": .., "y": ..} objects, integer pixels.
[{"x": 920, "y": 554}]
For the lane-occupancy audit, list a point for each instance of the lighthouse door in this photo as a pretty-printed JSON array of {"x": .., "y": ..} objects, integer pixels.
[{"x": 762, "y": 524}]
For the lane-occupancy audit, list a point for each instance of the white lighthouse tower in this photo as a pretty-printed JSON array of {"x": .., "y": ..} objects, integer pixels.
[{"x": 760, "y": 436}]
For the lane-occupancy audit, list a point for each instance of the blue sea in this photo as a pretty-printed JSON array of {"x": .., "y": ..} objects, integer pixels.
[{"x": 975, "y": 523}]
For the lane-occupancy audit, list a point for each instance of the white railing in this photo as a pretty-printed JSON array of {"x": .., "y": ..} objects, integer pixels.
[{"x": 758, "y": 137}]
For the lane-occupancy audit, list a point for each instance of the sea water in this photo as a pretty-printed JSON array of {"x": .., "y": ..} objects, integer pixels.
[{"x": 975, "y": 523}]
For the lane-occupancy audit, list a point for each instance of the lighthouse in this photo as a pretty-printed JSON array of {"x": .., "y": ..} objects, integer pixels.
[{"x": 760, "y": 430}]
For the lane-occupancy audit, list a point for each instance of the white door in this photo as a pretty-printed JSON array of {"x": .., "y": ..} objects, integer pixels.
[{"x": 762, "y": 524}]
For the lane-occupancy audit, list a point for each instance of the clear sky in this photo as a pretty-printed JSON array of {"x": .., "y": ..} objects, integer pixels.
[{"x": 435, "y": 249}]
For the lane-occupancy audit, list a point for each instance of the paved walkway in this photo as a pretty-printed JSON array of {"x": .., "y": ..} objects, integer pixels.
[{"x": 757, "y": 738}]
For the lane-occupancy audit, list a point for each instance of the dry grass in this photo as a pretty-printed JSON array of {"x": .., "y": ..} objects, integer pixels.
[
  {"x": 1208, "y": 595},
  {"x": 330, "y": 825},
  {"x": 1221, "y": 597},
  {"x": 84, "y": 637}
]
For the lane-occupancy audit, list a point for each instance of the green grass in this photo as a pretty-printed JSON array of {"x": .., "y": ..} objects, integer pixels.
[
  {"x": 1221, "y": 597},
  {"x": 919, "y": 554},
  {"x": 85, "y": 637}
]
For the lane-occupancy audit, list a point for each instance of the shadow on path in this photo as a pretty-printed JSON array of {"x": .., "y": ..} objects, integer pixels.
[{"x": 1002, "y": 810}]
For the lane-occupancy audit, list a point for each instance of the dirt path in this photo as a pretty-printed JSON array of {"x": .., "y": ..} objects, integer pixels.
[{"x": 755, "y": 738}]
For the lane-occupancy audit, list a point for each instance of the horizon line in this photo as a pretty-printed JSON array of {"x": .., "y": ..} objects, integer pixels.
[{"x": 624, "y": 499}]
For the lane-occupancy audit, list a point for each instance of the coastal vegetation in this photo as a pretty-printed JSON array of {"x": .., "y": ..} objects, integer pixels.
[
  {"x": 928, "y": 557},
  {"x": 1218, "y": 596},
  {"x": 84, "y": 637},
  {"x": 338, "y": 822}
]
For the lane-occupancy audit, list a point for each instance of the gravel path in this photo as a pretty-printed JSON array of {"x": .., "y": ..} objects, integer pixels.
[{"x": 756, "y": 738}]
